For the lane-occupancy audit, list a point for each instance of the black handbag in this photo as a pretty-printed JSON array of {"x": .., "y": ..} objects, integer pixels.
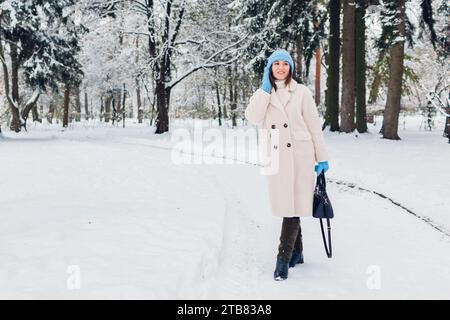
[{"x": 322, "y": 209}]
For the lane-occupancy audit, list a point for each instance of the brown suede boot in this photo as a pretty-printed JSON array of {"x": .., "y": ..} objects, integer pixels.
[
  {"x": 297, "y": 253},
  {"x": 289, "y": 231}
]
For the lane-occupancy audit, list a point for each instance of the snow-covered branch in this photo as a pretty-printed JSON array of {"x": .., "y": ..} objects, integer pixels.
[
  {"x": 138, "y": 6},
  {"x": 178, "y": 23},
  {"x": 207, "y": 63},
  {"x": 147, "y": 34},
  {"x": 205, "y": 38}
]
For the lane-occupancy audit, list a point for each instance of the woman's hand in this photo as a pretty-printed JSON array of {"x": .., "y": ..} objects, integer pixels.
[
  {"x": 266, "y": 85},
  {"x": 322, "y": 166}
]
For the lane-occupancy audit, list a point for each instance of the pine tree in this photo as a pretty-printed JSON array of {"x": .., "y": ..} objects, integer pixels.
[
  {"x": 396, "y": 11},
  {"x": 297, "y": 26},
  {"x": 360, "y": 67},
  {"x": 396, "y": 30},
  {"x": 348, "y": 68},
  {"x": 42, "y": 42},
  {"x": 332, "y": 96}
]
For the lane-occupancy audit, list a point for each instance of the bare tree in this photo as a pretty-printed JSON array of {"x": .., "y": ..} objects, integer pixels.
[{"x": 164, "y": 21}]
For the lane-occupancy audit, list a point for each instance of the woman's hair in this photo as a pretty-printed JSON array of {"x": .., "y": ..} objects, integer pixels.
[{"x": 273, "y": 79}]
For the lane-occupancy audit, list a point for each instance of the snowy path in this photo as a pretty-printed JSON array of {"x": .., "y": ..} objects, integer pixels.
[
  {"x": 123, "y": 215},
  {"x": 371, "y": 237},
  {"x": 151, "y": 229}
]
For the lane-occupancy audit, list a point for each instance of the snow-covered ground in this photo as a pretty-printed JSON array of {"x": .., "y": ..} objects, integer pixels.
[{"x": 96, "y": 211}]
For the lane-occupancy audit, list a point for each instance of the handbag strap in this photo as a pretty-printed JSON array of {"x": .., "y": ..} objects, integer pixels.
[
  {"x": 328, "y": 248},
  {"x": 321, "y": 185},
  {"x": 321, "y": 181}
]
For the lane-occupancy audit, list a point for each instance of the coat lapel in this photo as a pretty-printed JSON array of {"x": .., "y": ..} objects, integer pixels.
[{"x": 275, "y": 100}]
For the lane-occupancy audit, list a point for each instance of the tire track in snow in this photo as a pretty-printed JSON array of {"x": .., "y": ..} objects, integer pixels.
[
  {"x": 237, "y": 271},
  {"x": 351, "y": 185},
  {"x": 425, "y": 219},
  {"x": 232, "y": 270}
]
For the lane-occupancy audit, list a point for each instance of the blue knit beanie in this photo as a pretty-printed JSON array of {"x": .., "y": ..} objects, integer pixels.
[{"x": 282, "y": 55}]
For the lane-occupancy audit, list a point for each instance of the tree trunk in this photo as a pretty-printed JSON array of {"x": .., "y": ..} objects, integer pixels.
[
  {"x": 108, "y": 101},
  {"x": 35, "y": 113},
  {"x": 299, "y": 49},
  {"x": 118, "y": 105},
  {"x": 152, "y": 109},
  {"x": 163, "y": 66},
  {"x": 447, "y": 125},
  {"x": 224, "y": 100},
  {"x": 447, "y": 121},
  {"x": 332, "y": 95},
  {"x": 140, "y": 110},
  {"x": 66, "y": 106},
  {"x": 375, "y": 87},
  {"x": 317, "y": 95},
  {"x": 219, "y": 107},
  {"x": 14, "y": 73},
  {"x": 348, "y": 68},
  {"x": 77, "y": 105},
  {"x": 162, "y": 114},
  {"x": 31, "y": 106},
  {"x": 15, "y": 123},
  {"x": 162, "y": 118},
  {"x": 360, "y": 68},
  {"x": 232, "y": 90},
  {"x": 86, "y": 105},
  {"x": 5, "y": 72},
  {"x": 50, "y": 113},
  {"x": 102, "y": 108},
  {"x": 308, "y": 57},
  {"x": 113, "y": 107},
  {"x": 392, "y": 110},
  {"x": 123, "y": 104},
  {"x": 162, "y": 98}
]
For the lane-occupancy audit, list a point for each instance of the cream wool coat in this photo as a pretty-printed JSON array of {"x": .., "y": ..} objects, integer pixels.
[{"x": 294, "y": 135}]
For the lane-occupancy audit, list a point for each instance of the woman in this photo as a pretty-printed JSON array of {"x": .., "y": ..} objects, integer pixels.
[{"x": 287, "y": 111}]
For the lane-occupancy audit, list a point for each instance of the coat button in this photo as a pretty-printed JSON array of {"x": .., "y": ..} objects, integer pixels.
[
  {"x": 273, "y": 126},
  {"x": 285, "y": 125},
  {"x": 275, "y": 147},
  {"x": 288, "y": 145}
]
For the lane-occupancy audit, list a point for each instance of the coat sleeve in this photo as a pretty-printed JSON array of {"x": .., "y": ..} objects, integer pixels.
[
  {"x": 257, "y": 107},
  {"x": 311, "y": 118}
]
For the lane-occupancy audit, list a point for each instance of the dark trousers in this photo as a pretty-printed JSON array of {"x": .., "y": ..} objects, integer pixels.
[{"x": 290, "y": 238}]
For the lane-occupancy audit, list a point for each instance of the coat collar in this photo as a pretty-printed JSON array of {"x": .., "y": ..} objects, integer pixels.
[
  {"x": 291, "y": 86},
  {"x": 275, "y": 100}
]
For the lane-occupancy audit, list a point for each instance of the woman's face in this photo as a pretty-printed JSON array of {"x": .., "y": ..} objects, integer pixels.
[{"x": 280, "y": 70}]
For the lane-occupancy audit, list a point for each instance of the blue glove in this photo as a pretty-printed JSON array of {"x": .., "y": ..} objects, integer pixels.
[
  {"x": 266, "y": 85},
  {"x": 321, "y": 166}
]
